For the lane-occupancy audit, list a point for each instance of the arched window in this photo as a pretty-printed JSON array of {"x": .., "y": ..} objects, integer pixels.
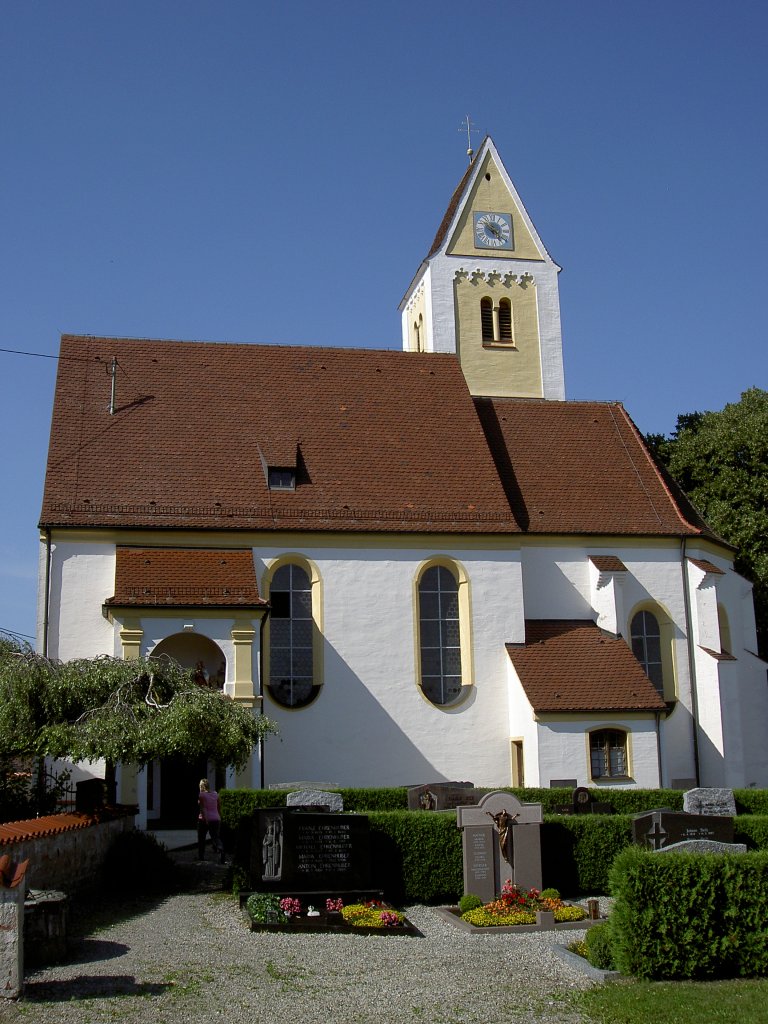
[
  {"x": 608, "y": 754},
  {"x": 646, "y": 647},
  {"x": 505, "y": 320},
  {"x": 292, "y": 680},
  {"x": 486, "y": 318},
  {"x": 440, "y": 635}
]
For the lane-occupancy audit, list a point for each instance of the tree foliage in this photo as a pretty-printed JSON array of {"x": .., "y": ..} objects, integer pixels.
[
  {"x": 130, "y": 711},
  {"x": 721, "y": 460}
]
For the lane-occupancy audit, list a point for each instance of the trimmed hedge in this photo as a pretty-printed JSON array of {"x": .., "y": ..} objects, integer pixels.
[
  {"x": 395, "y": 798},
  {"x": 577, "y": 851},
  {"x": 689, "y": 915},
  {"x": 752, "y": 829},
  {"x": 417, "y": 855}
]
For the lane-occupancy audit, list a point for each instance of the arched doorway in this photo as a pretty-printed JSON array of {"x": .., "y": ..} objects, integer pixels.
[{"x": 172, "y": 783}]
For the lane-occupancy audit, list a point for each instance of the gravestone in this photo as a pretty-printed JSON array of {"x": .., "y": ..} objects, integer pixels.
[
  {"x": 500, "y": 839},
  {"x": 664, "y": 827},
  {"x": 710, "y": 801},
  {"x": 582, "y": 802},
  {"x": 704, "y": 846},
  {"x": 442, "y": 796},
  {"x": 296, "y": 851},
  {"x": 320, "y": 799},
  {"x": 304, "y": 785}
]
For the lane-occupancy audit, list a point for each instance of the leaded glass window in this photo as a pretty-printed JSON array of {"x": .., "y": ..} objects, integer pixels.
[
  {"x": 291, "y": 630},
  {"x": 440, "y": 635},
  {"x": 646, "y": 647}
]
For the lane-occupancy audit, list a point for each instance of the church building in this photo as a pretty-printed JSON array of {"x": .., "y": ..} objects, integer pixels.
[{"x": 423, "y": 564}]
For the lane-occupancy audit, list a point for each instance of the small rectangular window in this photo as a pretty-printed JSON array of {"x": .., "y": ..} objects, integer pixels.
[{"x": 282, "y": 479}]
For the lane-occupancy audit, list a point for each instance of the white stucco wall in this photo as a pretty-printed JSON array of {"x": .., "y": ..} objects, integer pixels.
[
  {"x": 370, "y": 724},
  {"x": 564, "y": 750},
  {"x": 82, "y": 577}
]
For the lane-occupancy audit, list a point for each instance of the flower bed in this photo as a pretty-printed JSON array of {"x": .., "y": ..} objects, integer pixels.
[
  {"x": 270, "y": 912},
  {"x": 519, "y": 907}
]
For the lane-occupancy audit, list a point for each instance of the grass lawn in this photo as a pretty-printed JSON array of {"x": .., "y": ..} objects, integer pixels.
[{"x": 679, "y": 1002}]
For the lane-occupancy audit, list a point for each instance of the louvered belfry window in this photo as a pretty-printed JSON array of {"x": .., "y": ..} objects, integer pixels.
[
  {"x": 486, "y": 318},
  {"x": 505, "y": 320}
]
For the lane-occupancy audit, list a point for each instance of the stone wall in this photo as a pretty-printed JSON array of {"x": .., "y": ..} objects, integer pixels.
[{"x": 65, "y": 851}]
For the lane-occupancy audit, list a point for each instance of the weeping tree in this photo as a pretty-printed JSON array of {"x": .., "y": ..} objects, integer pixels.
[{"x": 129, "y": 711}]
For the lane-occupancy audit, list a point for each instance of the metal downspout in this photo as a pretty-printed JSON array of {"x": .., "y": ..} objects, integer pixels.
[
  {"x": 47, "y": 592},
  {"x": 261, "y": 695},
  {"x": 691, "y": 661}
]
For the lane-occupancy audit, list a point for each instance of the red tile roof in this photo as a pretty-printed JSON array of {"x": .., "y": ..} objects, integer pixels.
[
  {"x": 380, "y": 441},
  {"x": 386, "y": 440},
  {"x": 706, "y": 566},
  {"x": 571, "y": 665},
  {"x": 185, "y": 577},
  {"x": 581, "y": 467},
  {"x": 453, "y": 206},
  {"x": 52, "y": 824},
  {"x": 607, "y": 563}
]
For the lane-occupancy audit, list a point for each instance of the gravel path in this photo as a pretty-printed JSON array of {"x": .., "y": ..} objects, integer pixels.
[{"x": 191, "y": 958}]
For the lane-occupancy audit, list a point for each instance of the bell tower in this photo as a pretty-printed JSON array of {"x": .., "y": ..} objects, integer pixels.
[{"x": 488, "y": 290}]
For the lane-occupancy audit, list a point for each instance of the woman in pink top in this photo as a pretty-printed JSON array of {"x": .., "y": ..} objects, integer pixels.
[{"x": 209, "y": 820}]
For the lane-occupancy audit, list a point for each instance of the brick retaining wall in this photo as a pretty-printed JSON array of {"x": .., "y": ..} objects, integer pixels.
[{"x": 65, "y": 851}]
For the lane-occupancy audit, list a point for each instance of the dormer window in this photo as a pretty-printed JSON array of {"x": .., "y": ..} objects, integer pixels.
[{"x": 281, "y": 479}]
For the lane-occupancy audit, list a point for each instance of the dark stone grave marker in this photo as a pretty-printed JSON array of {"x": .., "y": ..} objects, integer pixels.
[
  {"x": 442, "y": 796},
  {"x": 661, "y": 828},
  {"x": 298, "y": 852}
]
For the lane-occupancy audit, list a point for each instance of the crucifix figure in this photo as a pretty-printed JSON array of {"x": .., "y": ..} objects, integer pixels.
[{"x": 503, "y": 822}]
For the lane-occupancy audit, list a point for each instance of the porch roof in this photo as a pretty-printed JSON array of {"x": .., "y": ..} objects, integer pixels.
[
  {"x": 571, "y": 665},
  {"x": 185, "y": 577}
]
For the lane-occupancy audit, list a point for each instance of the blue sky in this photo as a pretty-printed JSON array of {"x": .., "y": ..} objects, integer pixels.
[{"x": 274, "y": 172}]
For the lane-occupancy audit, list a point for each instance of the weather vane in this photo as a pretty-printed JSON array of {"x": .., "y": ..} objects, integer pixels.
[{"x": 466, "y": 126}]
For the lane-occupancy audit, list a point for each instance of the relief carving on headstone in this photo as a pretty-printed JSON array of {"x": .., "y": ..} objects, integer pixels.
[{"x": 272, "y": 848}]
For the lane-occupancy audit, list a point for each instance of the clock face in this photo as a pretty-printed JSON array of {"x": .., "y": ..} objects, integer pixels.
[{"x": 493, "y": 230}]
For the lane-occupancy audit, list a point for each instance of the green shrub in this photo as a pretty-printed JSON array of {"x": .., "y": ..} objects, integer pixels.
[
  {"x": 416, "y": 857},
  {"x": 751, "y": 829},
  {"x": 599, "y": 947},
  {"x": 577, "y": 851},
  {"x": 264, "y": 908},
  {"x": 549, "y": 894},
  {"x": 135, "y": 864},
  {"x": 751, "y": 801},
  {"x": 695, "y": 916},
  {"x": 621, "y": 801},
  {"x": 469, "y": 902},
  {"x": 390, "y": 799}
]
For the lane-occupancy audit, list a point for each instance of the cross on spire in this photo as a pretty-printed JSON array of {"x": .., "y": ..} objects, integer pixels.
[{"x": 466, "y": 126}]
